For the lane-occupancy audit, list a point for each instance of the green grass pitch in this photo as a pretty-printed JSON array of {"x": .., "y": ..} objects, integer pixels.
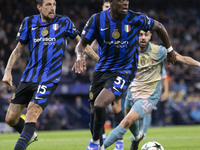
[{"x": 172, "y": 138}]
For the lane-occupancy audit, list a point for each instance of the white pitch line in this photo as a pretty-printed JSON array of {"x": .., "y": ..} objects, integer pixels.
[{"x": 77, "y": 139}]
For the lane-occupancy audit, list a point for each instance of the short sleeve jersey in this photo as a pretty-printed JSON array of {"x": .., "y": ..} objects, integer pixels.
[
  {"x": 149, "y": 71},
  {"x": 46, "y": 42},
  {"x": 118, "y": 40}
]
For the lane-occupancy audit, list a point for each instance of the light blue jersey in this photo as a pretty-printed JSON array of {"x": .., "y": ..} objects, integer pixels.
[
  {"x": 145, "y": 90},
  {"x": 149, "y": 71}
]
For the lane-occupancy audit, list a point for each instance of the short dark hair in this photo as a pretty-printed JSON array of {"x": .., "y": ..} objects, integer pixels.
[
  {"x": 104, "y": 1},
  {"x": 40, "y": 2}
]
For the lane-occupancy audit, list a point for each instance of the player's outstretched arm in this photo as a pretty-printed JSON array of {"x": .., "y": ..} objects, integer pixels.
[
  {"x": 15, "y": 55},
  {"x": 163, "y": 35},
  {"x": 187, "y": 60},
  {"x": 80, "y": 63},
  {"x": 91, "y": 53},
  {"x": 88, "y": 50}
]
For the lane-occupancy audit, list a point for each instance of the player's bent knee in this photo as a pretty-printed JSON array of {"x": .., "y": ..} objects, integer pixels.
[
  {"x": 13, "y": 114},
  {"x": 12, "y": 120},
  {"x": 116, "y": 109},
  {"x": 126, "y": 123},
  {"x": 33, "y": 112}
]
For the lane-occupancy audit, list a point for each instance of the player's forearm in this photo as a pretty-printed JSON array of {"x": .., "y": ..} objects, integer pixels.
[
  {"x": 162, "y": 33},
  {"x": 83, "y": 47},
  {"x": 15, "y": 55},
  {"x": 79, "y": 49},
  {"x": 90, "y": 52},
  {"x": 187, "y": 60}
]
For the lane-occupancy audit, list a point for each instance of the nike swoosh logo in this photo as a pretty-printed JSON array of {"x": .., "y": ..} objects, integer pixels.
[
  {"x": 104, "y": 29},
  {"x": 38, "y": 97},
  {"x": 33, "y": 28},
  {"x": 115, "y": 89}
]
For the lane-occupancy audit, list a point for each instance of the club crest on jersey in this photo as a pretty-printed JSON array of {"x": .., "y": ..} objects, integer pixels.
[
  {"x": 91, "y": 95},
  {"x": 45, "y": 32},
  {"x": 127, "y": 28},
  {"x": 116, "y": 34},
  {"x": 142, "y": 60},
  {"x": 55, "y": 26},
  {"x": 152, "y": 62}
]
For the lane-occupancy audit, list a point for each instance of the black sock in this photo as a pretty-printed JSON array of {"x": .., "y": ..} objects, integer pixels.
[
  {"x": 103, "y": 132},
  {"x": 91, "y": 127},
  {"x": 118, "y": 117},
  {"x": 99, "y": 121},
  {"x": 26, "y": 135},
  {"x": 101, "y": 139},
  {"x": 91, "y": 122},
  {"x": 19, "y": 127}
]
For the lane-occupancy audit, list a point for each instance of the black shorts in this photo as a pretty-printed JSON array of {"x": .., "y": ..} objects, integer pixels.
[
  {"x": 38, "y": 93},
  {"x": 115, "y": 82}
]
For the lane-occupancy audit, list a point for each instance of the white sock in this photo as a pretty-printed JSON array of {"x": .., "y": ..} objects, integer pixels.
[
  {"x": 95, "y": 142},
  {"x": 120, "y": 140},
  {"x": 104, "y": 136}
]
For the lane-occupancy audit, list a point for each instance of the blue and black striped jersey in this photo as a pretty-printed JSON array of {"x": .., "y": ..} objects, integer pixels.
[
  {"x": 118, "y": 40},
  {"x": 98, "y": 50},
  {"x": 46, "y": 43}
]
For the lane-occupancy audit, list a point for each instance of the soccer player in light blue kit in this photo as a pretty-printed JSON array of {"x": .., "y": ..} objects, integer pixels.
[
  {"x": 146, "y": 121},
  {"x": 144, "y": 92}
]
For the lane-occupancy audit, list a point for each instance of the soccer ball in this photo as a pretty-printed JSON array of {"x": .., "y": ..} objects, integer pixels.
[{"x": 152, "y": 146}]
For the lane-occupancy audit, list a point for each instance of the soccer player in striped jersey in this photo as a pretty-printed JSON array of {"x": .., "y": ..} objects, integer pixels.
[
  {"x": 144, "y": 92},
  {"x": 117, "y": 32},
  {"x": 45, "y": 35},
  {"x": 116, "y": 105}
]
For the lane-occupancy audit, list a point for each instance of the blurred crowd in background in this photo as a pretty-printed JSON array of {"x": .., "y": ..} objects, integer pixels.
[{"x": 69, "y": 107}]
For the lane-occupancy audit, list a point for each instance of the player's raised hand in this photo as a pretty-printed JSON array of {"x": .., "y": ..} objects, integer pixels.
[
  {"x": 80, "y": 64},
  {"x": 7, "y": 79},
  {"x": 171, "y": 57}
]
